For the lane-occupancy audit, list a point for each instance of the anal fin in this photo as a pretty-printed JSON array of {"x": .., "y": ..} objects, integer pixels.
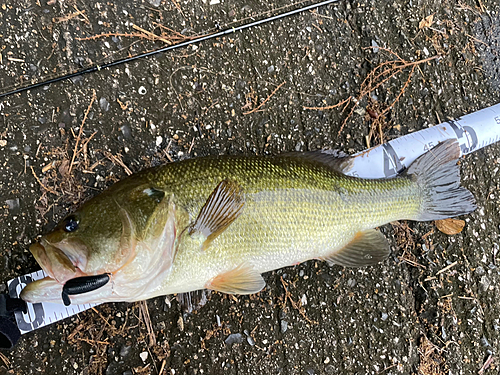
[
  {"x": 365, "y": 249},
  {"x": 241, "y": 280}
]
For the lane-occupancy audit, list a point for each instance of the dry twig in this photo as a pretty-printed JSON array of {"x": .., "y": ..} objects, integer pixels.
[
  {"x": 265, "y": 101},
  {"x": 381, "y": 74},
  {"x": 117, "y": 159},
  {"x": 41, "y": 184},
  {"x": 295, "y": 305},
  {"x": 80, "y": 132}
]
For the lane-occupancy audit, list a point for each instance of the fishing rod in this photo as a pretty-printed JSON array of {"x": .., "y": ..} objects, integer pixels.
[{"x": 231, "y": 30}]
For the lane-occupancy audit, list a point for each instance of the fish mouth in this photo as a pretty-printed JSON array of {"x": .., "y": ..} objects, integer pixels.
[{"x": 61, "y": 261}]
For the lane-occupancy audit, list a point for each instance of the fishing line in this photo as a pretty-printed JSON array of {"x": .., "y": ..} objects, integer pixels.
[{"x": 228, "y": 31}]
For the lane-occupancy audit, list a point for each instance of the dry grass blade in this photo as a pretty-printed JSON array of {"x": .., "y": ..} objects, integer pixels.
[
  {"x": 266, "y": 100},
  {"x": 4, "y": 359},
  {"x": 147, "y": 321},
  {"x": 151, "y": 35},
  {"x": 68, "y": 16},
  {"x": 449, "y": 266},
  {"x": 486, "y": 364}
]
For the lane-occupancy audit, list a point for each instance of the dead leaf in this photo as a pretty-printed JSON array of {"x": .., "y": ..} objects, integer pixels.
[
  {"x": 450, "y": 226},
  {"x": 426, "y": 22}
]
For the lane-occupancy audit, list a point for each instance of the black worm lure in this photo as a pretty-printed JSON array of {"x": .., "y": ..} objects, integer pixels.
[{"x": 84, "y": 284}]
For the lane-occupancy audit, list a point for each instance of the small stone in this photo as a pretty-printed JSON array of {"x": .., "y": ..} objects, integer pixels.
[
  {"x": 360, "y": 111},
  {"x": 3, "y": 143},
  {"x": 124, "y": 351},
  {"x": 484, "y": 284},
  {"x": 444, "y": 335},
  {"x": 155, "y": 3},
  {"x": 479, "y": 271},
  {"x": 234, "y": 338},
  {"x": 250, "y": 340},
  {"x": 12, "y": 204},
  {"x": 375, "y": 46},
  {"x": 104, "y": 104},
  {"x": 144, "y": 356},
  {"x": 159, "y": 140},
  {"x": 330, "y": 369},
  {"x": 484, "y": 342},
  {"x": 384, "y": 316},
  {"x": 284, "y": 326}
]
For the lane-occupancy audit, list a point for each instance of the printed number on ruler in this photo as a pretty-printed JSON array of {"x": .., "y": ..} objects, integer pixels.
[
  {"x": 36, "y": 314},
  {"x": 467, "y": 137},
  {"x": 428, "y": 146},
  {"x": 392, "y": 164}
]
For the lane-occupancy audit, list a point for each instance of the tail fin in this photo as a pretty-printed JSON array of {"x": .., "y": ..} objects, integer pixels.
[{"x": 437, "y": 174}]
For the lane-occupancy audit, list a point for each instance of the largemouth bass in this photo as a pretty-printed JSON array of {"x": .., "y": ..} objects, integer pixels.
[{"x": 220, "y": 222}]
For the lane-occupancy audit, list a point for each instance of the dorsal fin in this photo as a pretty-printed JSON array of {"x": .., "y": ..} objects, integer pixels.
[
  {"x": 365, "y": 249},
  {"x": 240, "y": 280},
  {"x": 334, "y": 159},
  {"x": 222, "y": 207}
]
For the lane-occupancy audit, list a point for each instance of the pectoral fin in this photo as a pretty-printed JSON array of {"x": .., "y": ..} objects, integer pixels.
[
  {"x": 222, "y": 207},
  {"x": 194, "y": 300},
  {"x": 241, "y": 280},
  {"x": 365, "y": 249}
]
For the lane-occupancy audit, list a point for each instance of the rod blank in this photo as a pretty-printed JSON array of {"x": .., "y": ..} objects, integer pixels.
[{"x": 232, "y": 30}]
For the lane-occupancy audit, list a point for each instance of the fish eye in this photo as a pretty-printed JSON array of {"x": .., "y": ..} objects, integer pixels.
[{"x": 70, "y": 224}]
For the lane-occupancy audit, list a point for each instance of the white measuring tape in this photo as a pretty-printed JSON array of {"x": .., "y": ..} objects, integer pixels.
[{"x": 473, "y": 131}]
